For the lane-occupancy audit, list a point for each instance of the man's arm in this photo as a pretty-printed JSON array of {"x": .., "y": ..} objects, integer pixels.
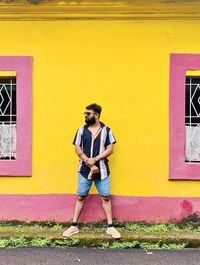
[
  {"x": 80, "y": 153},
  {"x": 106, "y": 153},
  {"x": 84, "y": 158},
  {"x": 103, "y": 155}
]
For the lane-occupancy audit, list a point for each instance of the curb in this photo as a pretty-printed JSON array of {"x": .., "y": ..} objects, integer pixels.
[{"x": 101, "y": 239}]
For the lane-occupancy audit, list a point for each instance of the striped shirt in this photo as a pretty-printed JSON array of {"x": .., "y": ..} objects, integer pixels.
[{"x": 93, "y": 146}]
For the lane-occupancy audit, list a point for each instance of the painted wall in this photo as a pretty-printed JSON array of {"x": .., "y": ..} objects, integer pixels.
[{"x": 123, "y": 66}]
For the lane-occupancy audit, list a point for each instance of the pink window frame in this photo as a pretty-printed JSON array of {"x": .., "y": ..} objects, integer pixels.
[
  {"x": 178, "y": 168},
  {"x": 22, "y": 65}
]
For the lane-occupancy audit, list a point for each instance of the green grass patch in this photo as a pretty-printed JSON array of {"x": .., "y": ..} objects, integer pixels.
[
  {"x": 191, "y": 223},
  {"x": 40, "y": 242},
  {"x": 125, "y": 245},
  {"x": 37, "y": 242},
  {"x": 147, "y": 245},
  {"x": 13, "y": 242},
  {"x": 75, "y": 242},
  {"x": 57, "y": 227},
  {"x": 151, "y": 228},
  {"x": 142, "y": 245}
]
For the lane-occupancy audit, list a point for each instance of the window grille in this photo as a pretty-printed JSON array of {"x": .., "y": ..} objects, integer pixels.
[
  {"x": 8, "y": 118},
  {"x": 192, "y": 119}
]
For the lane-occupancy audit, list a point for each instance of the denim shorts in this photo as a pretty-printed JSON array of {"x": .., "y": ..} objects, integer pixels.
[{"x": 84, "y": 185}]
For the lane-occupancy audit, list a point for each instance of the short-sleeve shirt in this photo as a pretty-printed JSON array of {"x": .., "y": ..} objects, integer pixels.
[{"x": 91, "y": 147}]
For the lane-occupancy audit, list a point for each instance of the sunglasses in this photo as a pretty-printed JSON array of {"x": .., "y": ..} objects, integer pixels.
[{"x": 87, "y": 113}]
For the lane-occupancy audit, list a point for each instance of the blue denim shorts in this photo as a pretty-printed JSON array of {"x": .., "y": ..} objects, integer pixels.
[{"x": 84, "y": 185}]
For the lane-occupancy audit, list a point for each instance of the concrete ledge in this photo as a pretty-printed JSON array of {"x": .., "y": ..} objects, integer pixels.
[{"x": 96, "y": 238}]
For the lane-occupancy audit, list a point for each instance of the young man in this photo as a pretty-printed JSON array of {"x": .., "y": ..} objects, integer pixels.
[{"x": 93, "y": 144}]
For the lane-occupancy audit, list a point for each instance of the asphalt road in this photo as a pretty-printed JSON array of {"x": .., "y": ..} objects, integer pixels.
[{"x": 54, "y": 256}]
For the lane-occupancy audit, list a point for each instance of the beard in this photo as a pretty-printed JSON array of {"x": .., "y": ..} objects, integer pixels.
[{"x": 90, "y": 121}]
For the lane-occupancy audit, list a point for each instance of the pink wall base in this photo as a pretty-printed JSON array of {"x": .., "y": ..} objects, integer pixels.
[{"x": 59, "y": 207}]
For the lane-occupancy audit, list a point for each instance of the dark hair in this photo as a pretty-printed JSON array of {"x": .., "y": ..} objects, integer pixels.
[{"x": 95, "y": 107}]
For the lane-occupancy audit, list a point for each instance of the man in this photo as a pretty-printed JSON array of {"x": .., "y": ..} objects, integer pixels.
[{"x": 93, "y": 144}]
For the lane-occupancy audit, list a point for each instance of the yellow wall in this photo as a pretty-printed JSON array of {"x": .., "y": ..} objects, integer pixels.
[{"x": 122, "y": 65}]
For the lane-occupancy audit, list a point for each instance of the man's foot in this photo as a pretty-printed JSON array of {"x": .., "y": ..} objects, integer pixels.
[
  {"x": 71, "y": 231},
  {"x": 113, "y": 232}
]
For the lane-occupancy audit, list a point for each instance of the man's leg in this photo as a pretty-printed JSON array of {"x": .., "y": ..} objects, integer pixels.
[
  {"x": 78, "y": 208},
  {"x": 83, "y": 190},
  {"x": 106, "y": 203},
  {"x": 103, "y": 187}
]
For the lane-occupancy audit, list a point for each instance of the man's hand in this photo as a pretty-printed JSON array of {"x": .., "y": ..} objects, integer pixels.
[
  {"x": 94, "y": 169},
  {"x": 90, "y": 162}
]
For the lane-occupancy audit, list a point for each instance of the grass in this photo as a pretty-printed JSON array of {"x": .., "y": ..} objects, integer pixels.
[
  {"x": 151, "y": 228},
  {"x": 75, "y": 242},
  {"x": 190, "y": 223},
  {"x": 144, "y": 227},
  {"x": 147, "y": 245},
  {"x": 100, "y": 227},
  {"x": 37, "y": 242},
  {"x": 143, "y": 245},
  {"x": 13, "y": 242}
]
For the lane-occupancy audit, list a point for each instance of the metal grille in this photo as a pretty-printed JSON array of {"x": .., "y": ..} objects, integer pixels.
[
  {"x": 192, "y": 119},
  {"x": 8, "y": 118}
]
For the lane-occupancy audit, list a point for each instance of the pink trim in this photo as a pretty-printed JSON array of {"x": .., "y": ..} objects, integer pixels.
[
  {"x": 178, "y": 168},
  {"x": 23, "y": 67},
  {"x": 125, "y": 208}
]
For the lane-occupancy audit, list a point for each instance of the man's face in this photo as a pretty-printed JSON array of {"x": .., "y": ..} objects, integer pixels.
[{"x": 90, "y": 117}]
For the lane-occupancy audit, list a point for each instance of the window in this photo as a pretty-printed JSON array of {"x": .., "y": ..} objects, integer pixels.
[
  {"x": 184, "y": 117},
  {"x": 7, "y": 115},
  {"x": 15, "y": 115},
  {"x": 192, "y": 117}
]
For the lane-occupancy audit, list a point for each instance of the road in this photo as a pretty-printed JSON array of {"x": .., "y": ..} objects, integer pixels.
[{"x": 80, "y": 256}]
